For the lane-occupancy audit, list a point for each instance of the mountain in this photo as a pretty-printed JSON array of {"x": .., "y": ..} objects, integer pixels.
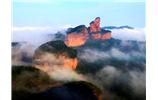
[
  {"x": 79, "y": 35},
  {"x": 119, "y": 27},
  {"x": 115, "y": 66}
]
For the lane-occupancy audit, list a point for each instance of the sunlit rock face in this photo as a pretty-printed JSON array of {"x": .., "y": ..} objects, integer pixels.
[
  {"x": 96, "y": 32},
  {"x": 76, "y": 36},
  {"x": 54, "y": 54},
  {"x": 95, "y": 25},
  {"x": 96, "y": 36},
  {"x": 79, "y": 35}
]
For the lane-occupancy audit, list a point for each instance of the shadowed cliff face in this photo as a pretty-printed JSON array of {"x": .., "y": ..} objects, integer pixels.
[
  {"x": 29, "y": 83},
  {"x": 79, "y": 35},
  {"x": 70, "y": 91},
  {"x": 54, "y": 54}
]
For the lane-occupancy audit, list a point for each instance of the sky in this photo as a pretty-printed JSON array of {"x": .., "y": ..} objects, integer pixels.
[{"x": 54, "y": 13}]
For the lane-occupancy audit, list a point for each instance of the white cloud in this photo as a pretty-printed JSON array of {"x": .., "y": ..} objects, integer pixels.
[
  {"x": 92, "y": 55},
  {"x": 36, "y": 34},
  {"x": 40, "y": 28},
  {"x": 26, "y": 50},
  {"x": 28, "y": 28},
  {"x": 65, "y": 74},
  {"x": 129, "y": 34},
  {"x": 138, "y": 81},
  {"x": 108, "y": 73},
  {"x": 119, "y": 54}
]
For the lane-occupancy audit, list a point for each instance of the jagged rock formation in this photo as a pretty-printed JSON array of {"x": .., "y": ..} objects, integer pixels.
[
  {"x": 96, "y": 32},
  {"x": 76, "y": 36},
  {"x": 79, "y": 35},
  {"x": 95, "y": 25}
]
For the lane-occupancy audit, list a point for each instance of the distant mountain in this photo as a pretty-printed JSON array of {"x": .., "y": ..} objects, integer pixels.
[{"x": 119, "y": 27}]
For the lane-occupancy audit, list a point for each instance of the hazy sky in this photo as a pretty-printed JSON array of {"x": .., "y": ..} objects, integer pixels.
[{"x": 74, "y": 12}]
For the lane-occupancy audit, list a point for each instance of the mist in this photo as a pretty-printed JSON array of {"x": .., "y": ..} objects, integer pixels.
[
  {"x": 22, "y": 54},
  {"x": 117, "y": 84},
  {"x": 129, "y": 34},
  {"x": 119, "y": 70}
]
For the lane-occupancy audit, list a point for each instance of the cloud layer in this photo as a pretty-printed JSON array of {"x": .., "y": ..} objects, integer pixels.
[
  {"x": 38, "y": 35},
  {"x": 129, "y": 34}
]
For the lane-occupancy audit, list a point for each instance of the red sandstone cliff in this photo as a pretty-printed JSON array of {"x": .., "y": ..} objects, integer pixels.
[{"x": 78, "y": 36}]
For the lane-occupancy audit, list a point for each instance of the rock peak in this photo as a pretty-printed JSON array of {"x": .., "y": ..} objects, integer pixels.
[{"x": 78, "y": 36}]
